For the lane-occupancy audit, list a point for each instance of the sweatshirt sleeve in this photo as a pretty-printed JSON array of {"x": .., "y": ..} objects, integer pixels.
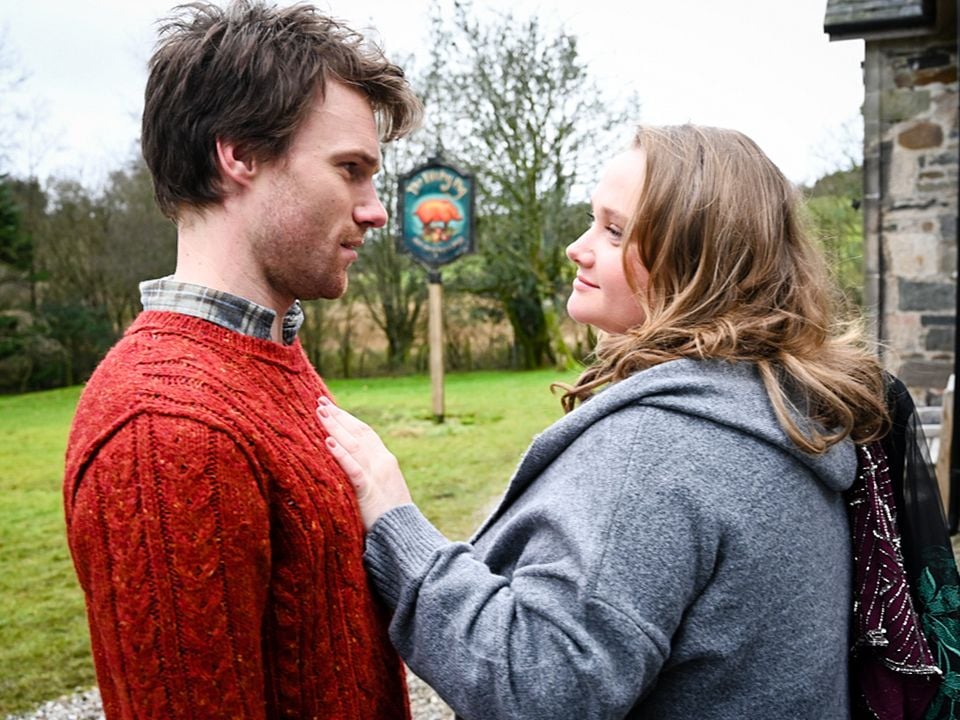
[
  {"x": 558, "y": 634},
  {"x": 169, "y": 533}
]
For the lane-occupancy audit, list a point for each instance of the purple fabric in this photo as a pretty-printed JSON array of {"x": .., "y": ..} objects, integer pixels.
[{"x": 894, "y": 672}]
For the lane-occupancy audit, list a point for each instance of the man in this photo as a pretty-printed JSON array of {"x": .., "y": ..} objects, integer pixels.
[{"x": 217, "y": 543}]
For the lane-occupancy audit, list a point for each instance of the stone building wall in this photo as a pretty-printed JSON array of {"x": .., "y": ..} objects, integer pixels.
[{"x": 910, "y": 204}]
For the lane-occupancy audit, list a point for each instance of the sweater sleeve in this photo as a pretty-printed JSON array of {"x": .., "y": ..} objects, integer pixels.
[
  {"x": 169, "y": 533},
  {"x": 555, "y": 634}
]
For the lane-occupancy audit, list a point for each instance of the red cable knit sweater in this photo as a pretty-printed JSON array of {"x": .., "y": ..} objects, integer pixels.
[{"x": 218, "y": 544}]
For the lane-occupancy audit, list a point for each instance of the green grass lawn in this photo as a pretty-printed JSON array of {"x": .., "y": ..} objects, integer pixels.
[{"x": 455, "y": 471}]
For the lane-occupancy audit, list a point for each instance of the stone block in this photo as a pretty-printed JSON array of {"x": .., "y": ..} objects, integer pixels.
[
  {"x": 914, "y": 255},
  {"x": 948, "y": 244},
  {"x": 945, "y": 75},
  {"x": 903, "y": 332},
  {"x": 945, "y": 110},
  {"x": 903, "y": 79},
  {"x": 931, "y": 59},
  {"x": 948, "y": 259},
  {"x": 921, "y": 136},
  {"x": 899, "y": 105},
  {"x": 948, "y": 228},
  {"x": 925, "y": 373},
  {"x": 943, "y": 159},
  {"x": 925, "y": 296},
  {"x": 940, "y": 339},
  {"x": 940, "y": 188},
  {"x": 900, "y": 176},
  {"x": 938, "y": 320}
]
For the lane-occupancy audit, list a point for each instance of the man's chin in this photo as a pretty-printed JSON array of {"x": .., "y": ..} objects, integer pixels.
[{"x": 327, "y": 292}]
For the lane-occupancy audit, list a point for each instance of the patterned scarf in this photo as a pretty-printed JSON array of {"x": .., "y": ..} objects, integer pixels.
[
  {"x": 905, "y": 658},
  {"x": 891, "y": 660}
]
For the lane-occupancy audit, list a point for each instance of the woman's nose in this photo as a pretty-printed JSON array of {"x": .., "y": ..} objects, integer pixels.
[{"x": 579, "y": 252}]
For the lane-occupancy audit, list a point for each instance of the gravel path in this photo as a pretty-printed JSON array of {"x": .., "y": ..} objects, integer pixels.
[{"x": 86, "y": 705}]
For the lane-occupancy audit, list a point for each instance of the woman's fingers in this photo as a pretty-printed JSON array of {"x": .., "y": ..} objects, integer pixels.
[
  {"x": 371, "y": 468},
  {"x": 332, "y": 420},
  {"x": 350, "y": 466},
  {"x": 355, "y": 435},
  {"x": 351, "y": 424}
]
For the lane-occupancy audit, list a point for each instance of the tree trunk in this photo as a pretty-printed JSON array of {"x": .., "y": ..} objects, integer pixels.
[{"x": 531, "y": 334}]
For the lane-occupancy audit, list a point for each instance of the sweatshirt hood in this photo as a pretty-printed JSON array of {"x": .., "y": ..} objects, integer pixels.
[{"x": 729, "y": 394}]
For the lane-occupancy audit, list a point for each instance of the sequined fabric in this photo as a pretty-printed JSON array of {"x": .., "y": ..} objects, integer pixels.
[{"x": 892, "y": 666}]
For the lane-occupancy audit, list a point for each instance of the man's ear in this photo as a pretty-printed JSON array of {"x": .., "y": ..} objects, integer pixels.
[{"x": 237, "y": 165}]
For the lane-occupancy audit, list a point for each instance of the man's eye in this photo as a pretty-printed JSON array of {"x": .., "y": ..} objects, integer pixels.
[{"x": 352, "y": 168}]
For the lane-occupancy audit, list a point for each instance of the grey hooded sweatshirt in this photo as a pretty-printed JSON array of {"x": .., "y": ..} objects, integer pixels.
[{"x": 663, "y": 551}]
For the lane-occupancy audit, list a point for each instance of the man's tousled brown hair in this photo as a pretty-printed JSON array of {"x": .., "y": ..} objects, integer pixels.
[
  {"x": 247, "y": 73},
  {"x": 734, "y": 275}
]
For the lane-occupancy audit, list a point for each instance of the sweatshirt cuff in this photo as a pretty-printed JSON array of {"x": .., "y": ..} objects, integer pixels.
[{"x": 399, "y": 547}]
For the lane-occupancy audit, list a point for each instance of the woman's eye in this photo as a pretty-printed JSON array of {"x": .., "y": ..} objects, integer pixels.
[{"x": 615, "y": 231}]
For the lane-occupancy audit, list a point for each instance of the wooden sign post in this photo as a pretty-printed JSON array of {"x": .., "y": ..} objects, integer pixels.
[
  {"x": 436, "y": 209},
  {"x": 435, "y": 332}
]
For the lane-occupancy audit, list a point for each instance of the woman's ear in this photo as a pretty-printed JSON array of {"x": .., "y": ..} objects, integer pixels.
[{"x": 236, "y": 164}]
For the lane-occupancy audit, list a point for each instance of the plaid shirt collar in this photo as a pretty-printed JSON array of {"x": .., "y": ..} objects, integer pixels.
[{"x": 229, "y": 311}]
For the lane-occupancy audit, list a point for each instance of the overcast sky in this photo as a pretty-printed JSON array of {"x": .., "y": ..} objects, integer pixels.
[{"x": 761, "y": 66}]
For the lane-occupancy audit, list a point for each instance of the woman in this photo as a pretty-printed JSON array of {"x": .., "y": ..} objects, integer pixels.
[{"x": 676, "y": 546}]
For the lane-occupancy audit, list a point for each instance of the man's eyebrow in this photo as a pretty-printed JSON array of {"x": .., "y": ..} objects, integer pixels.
[{"x": 363, "y": 157}]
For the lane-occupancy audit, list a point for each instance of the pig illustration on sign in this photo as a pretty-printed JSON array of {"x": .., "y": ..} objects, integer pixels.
[{"x": 436, "y": 215}]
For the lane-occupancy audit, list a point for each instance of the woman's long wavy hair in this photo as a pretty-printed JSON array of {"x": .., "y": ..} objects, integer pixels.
[{"x": 735, "y": 276}]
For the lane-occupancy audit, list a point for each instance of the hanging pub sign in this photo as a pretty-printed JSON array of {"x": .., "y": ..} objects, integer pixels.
[{"x": 436, "y": 209}]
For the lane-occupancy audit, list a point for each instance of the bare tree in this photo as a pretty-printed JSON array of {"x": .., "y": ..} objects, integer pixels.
[
  {"x": 525, "y": 115},
  {"x": 389, "y": 283},
  {"x": 12, "y": 78},
  {"x": 91, "y": 251},
  {"x": 140, "y": 242}
]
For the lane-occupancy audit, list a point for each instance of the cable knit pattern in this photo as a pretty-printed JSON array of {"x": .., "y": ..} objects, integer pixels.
[{"x": 217, "y": 543}]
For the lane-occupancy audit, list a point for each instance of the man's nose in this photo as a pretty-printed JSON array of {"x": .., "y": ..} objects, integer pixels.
[{"x": 370, "y": 213}]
